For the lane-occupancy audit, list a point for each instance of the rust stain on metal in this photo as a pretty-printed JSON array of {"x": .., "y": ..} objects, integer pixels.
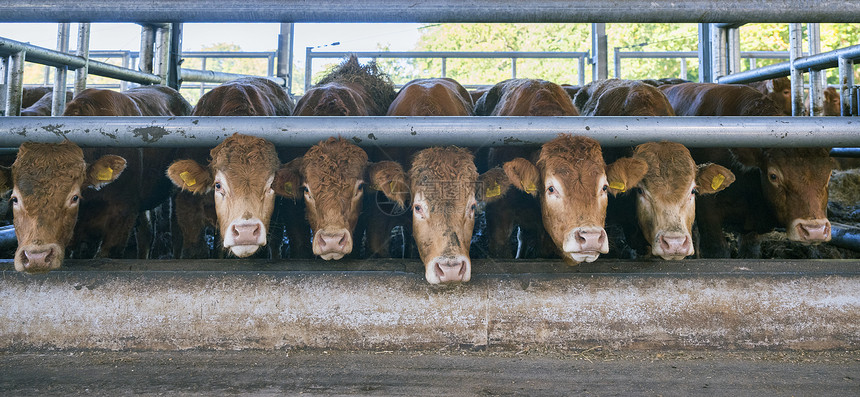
[
  {"x": 56, "y": 129},
  {"x": 150, "y": 134}
]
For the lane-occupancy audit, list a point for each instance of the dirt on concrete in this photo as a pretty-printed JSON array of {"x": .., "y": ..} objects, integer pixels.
[{"x": 446, "y": 372}]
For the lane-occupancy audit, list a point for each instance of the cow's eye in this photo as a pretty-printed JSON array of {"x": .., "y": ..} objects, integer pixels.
[
  {"x": 695, "y": 191},
  {"x": 75, "y": 198},
  {"x": 473, "y": 208},
  {"x": 638, "y": 190},
  {"x": 773, "y": 177},
  {"x": 605, "y": 187},
  {"x": 14, "y": 200},
  {"x": 417, "y": 208},
  {"x": 551, "y": 189},
  {"x": 217, "y": 185}
]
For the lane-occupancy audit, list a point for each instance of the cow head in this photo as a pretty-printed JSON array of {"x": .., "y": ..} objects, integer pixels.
[
  {"x": 331, "y": 178},
  {"x": 240, "y": 175},
  {"x": 47, "y": 183},
  {"x": 666, "y": 196},
  {"x": 794, "y": 182},
  {"x": 572, "y": 182},
  {"x": 446, "y": 190}
]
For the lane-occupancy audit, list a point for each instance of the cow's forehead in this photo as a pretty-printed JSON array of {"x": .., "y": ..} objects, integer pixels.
[
  {"x": 671, "y": 169},
  {"x": 245, "y": 152},
  {"x": 334, "y": 159},
  {"x": 44, "y": 168},
  {"x": 804, "y": 163}
]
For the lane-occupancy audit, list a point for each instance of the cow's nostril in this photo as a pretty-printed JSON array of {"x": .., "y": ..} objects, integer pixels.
[
  {"x": 439, "y": 272},
  {"x": 342, "y": 241},
  {"x": 257, "y": 231}
]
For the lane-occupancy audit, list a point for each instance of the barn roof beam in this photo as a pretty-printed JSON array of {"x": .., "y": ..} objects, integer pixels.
[
  {"x": 583, "y": 11},
  {"x": 385, "y": 131}
]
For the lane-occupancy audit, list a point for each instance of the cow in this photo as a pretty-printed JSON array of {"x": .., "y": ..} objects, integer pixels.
[
  {"x": 774, "y": 187},
  {"x": 519, "y": 97},
  {"x": 247, "y": 96},
  {"x": 665, "y": 199},
  {"x": 49, "y": 181},
  {"x": 109, "y": 215},
  {"x": 240, "y": 178},
  {"x": 572, "y": 183},
  {"x": 832, "y": 103},
  {"x": 350, "y": 89},
  {"x": 445, "y": 191},
  {"x": 778, "y": 90},
  {"x": 421, "y": 97},
  {"x": 42, "y": 107},
  {"x": 31, "y": 95}
]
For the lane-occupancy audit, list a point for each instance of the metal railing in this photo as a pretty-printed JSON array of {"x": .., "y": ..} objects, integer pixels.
[
  {"x": 751, "y": 56},
  {"x": 581, "y": 57}
]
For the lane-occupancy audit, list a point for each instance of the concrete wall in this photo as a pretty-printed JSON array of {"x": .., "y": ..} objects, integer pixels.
[{"x": 387, "y": 305}]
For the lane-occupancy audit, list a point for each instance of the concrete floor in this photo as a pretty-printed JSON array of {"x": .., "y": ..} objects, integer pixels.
[{"x": 445, "y": 372}]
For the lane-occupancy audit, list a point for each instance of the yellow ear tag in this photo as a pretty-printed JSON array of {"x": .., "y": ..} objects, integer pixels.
[
  {"x": 620, "y": 186},
  {"x": 391, "y": 187},
  {"x": 494, "y": 191},
  {"x": 531, "y": 188},
  {"x": 187, "y": 178},
  {"x": 717, "y": 181},
  {"x": 105, "y": 174},
  {"x": 288, "y": 188}
]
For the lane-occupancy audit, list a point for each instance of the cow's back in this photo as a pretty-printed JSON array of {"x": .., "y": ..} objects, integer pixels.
[
  {"x": 707, "y": 99},
  {"x": 248, "y": 96},
  {"x": 159, "y": 101}
]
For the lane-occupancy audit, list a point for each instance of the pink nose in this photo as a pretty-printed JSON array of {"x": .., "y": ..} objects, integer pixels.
[
  {"x": 814, "y": 231},
  {"x": 246, "y": 234},
  {"x": 338, "y": 241},
  {"x": 590, "y": 240},
  {"x": 450, "y": 269},
  {"x": 38, "y": 261},
  {"x": 673, "y": 245}
]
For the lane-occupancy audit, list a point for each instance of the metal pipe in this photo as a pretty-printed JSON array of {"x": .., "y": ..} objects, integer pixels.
[
  {"x": 718, "y": 52},
  {"x": 161, "y": 53},
  {"x": 53, "y": 58},
  {"x": 828, "y": 60},
  {"x": 706, "y": 74},
  {"x": 83, "y": 51},
  {"x": 58, "y": 103},
  {"x": 450, "y": 54},
  {"x": 617, "y": 56},
  {"x": 599, "y": 51},
  {"x": 285, "y": 54},
  {"x": 174, "y": 56},
  {"x": 147, "y": 48},
  {"x": 3, "y": 78},
  {"x": 502, "y": 11},
  {"x": 795, "y": 51},
  {"x": 845, "y": 236},
  {"x": 15, "y": 83},
  {"x": 816, "y": 77},
  {"x": 734, "y": 50},
  {"x": 846, "y": 83},
  {"x": 429, "y": 131},
  {"x": 208, "y": 76},
  {"x": 8, "y": 239},
  {"x": 126, "y": 64},
  {"x": 759, "y": 74},
  {"x": 845, "y": 152},
  {"x": 308, "y": 67}
]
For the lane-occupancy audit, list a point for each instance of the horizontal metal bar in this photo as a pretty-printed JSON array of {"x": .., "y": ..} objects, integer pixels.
[
  {"x": 185, "y": 54},
  {"x": 586, "y": 11},
  {"x": 758, "y": 74},
  {"x": 430, "y": 131},
  {"x": 825, "y": 60},
  {"x": 208, "y": 76},
  {"x": 845, "y": 152},
  {"x": 845, "y": 236},
  {"x": 53, "y": 58},
  {"x": 694, "y": 54},
  {"x": 448, "y": 54}
]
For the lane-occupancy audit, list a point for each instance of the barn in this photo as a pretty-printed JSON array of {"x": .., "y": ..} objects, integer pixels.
[{"x": 545, "y": 309}]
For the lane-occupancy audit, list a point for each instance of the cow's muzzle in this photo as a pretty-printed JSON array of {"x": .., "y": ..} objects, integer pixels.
[
  {"x": 38, "y": 258},
  {"x": 244, "y": 237},
  {"x": 809, "y": 231},
  {"x": 672, "y": 246},
  {"x": 585, "y": 244},
  {"x": 332, "y": 244},
  {"x": 449, "y": 269}
]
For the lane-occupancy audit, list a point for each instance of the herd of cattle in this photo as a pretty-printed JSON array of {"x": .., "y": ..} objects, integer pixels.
[{"x": 556, "y": 195}]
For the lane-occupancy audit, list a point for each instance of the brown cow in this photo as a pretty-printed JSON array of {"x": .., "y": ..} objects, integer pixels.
[
  {"x": 351, "y": 89},
  {"x": 247, "y": 96},
  {"x": 519, "y": 97},
  {"x": 42, "y": 107},
  {"x": 832, "y": 103},
  {"x": 31, "y": 95},
  {"x": 572, "y": 183},
  {"x": 446, "y": 189},
  {"x": 331, "y": 177},
  {"x": 109, "y": 215},
  {"x": 665, "y": 198},
  {"x": 785, "y": 187},
  {"x": 421, "y": 97},
  {"x": 48, "y": 184},
  {"x": 779, "y": 90},
  {"x": 240, "y": 178}
]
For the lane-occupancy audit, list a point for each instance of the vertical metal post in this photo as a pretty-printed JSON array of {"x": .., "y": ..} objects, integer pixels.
[
  {"x": 84, "y": 51},
  {"x": 816, "y": 77},
  {"x": 175, "y": 56},
  {"x": 846, "y": 83},
  {"x": 444, "y": 67},
  {"x": 308, "y": 69},
  {"x": 3, "y": 84},
  {"x": 734, "y": 50},
  {"x": 161, "y": 53},
  {"x": 513, "y": 68},
  {"x": 147, "y": 47},
  {"x": 599, "y": 54},
  {"x": 15, "y": 84},
  {"x": 795, "y": 50},
  {"x": 581, "y": 71},
  {"x": 58, "y": 104},
  {"x": 718, "y": 52},
  {"x": 683, "y": 73},
  {"x": 617, "y": 62},
  {"x": 47, "y": 75},
  {"x": 270, "y": 65},
  {"x": 753, "y": 63},
  {"x": 285, "y": 54},
  {"x": 126, "y": 63},
  {"x": 706, "y": 74},
  {"x": 202, "y": 67}
]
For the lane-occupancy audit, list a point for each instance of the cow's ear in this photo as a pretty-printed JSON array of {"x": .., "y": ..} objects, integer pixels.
[
  {"x": 625, "y": 173},
  {"x": 288, "y": 180},
  {"x": 5, "y": 179},
  {"x": 389, "y": 178},
  {"x": 492, "y": 185},
  {"x": 747, "y": 158},
  {"x": 712, "y": 178},
  {"x": 523, "y": 175},
  {"x": 190, "y": 176},
  {"x": 104, "y": 171}
]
